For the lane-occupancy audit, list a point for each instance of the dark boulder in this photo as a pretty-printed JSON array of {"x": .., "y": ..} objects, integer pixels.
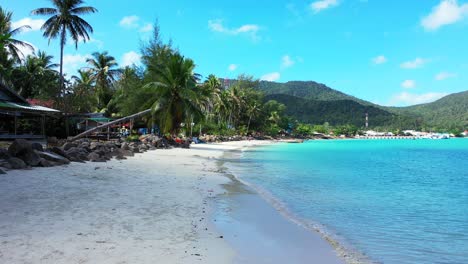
[
  {"x": 53, "y": 157},
  {"x": 19, "y": 146},
  {"x": 77, "y": 154},
  {"x": 59, "y": 151},
  {"x": 37, "y": 146},
  {"x": 4, "y": 154},
  {"x": 124, "y": 146},
  {"x": 95, "y": 157},
  {"x": 69, "y": 145},
  {"x": 22, "y": 149},
  {"x": 45, "y": 163},
  {"x": 2, "y": 172},
  {"x": 16, "y": 163},
  {"x": 30, "y": 158}
]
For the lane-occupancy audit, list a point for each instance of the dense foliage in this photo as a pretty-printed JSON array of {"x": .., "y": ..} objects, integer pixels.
[
  {"x": 450, "y": 112},
  {"x": 183, "y": 101}
]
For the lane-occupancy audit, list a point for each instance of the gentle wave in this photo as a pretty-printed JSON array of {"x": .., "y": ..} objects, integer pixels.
[{"x": 342, "y": 247}]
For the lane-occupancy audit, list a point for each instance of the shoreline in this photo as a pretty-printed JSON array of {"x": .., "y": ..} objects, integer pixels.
[
  {"x": 162, "y": 204},
  {"x": 344, "y": 252}
]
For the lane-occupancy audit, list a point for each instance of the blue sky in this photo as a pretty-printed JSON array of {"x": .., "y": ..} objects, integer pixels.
[{"x": 388, "y": 52}]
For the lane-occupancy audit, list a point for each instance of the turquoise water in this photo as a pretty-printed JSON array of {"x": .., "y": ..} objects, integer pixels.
[{"x": 396, "y": 201}]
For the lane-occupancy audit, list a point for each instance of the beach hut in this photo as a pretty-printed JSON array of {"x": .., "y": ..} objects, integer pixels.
[{"x": 19, "y": 118}]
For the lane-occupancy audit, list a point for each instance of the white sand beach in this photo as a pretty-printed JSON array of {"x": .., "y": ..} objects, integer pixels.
[{"x": 155, "y": 207}]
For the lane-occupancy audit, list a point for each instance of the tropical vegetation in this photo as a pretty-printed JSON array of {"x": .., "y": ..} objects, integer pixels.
[{"x": 181, "y": 100}]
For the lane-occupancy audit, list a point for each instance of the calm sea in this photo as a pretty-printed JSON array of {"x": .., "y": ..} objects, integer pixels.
[{"x": 395, "y": 201}]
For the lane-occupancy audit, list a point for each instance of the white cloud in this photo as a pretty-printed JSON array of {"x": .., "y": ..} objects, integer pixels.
[
  {"x": 27, "y": 51},
  {"x": 444, "y": 75},
  {"x": 414, "y": 64},
  {"x": 287, "y": 62},
  {"x": 271, "y": 77},
  {"x": 405, "y": 98},
  {"x": 408, "y": 84},
  {"x": 131, "y": 58},
  {"x": 249, "y": 29},
  {"x": 446, "y": 13},
  {"x": 73, "y": 62},
  {"x": 146, "y": 28},
  {"x": 379, "y": 59},
  {"x": 233, "y": 67},
  {"x": 129, "y": 22},
  {"x": 318, "y": 6},
  {"x": 35, "y": 24}
]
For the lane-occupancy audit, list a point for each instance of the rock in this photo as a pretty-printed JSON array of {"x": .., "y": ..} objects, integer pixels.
[
  {"x": 59, "y": 151},
  {"x": 94, "y": 145},
  {"x": 4, "y": 154},
  {"x": 125, "y": 146},
  {"x": 95, "y": 157},
  {"x": 135, "y": 149},
  {"x": 2, "y": 172},
  {"x": 37, "y": 146},
  {"x": 50, "y": 156},
  {"x": 18, "y": 147},
  {"x": 126, "y": 153},
  {"x": 120, "y": 157},
  {"x": 69, "y": 145},
  {"x": 77, "y": 154},
  {"x": 31, "y": 158},
  {"x": 16, "y": 163},
  {"x": 22, "y": 149},
  {"x": 45, "y": 163}
]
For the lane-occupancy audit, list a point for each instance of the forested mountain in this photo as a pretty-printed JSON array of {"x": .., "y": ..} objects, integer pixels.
[
  {"x": 317, "y": 103},
  {"x": 448, "y": 112},
  {"x": 307, "y": 90},
  {"x": 341, "y": 112}
]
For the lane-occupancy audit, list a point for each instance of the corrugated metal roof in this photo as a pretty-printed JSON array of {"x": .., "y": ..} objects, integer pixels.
[{"x": 12, "y": 105}]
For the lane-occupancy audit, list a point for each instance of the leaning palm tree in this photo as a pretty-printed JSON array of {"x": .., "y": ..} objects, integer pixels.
[
  {"x": 175, "y": 95},
  {"x": 7, "y": 41},
  {"x": 65, "y": 18},
  {"x": 104, "y": 70}
]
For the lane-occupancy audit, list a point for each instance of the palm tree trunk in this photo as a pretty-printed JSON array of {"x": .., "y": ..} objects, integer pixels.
[
  {"x": 62, "y": 45},
  {"x": 248, "y": 124}
]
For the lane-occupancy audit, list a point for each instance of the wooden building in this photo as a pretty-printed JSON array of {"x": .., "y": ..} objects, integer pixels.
[{"x": 20, "y": 119}]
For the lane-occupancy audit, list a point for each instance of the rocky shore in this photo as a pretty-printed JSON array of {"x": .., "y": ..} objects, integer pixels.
[{"x": 22, "y": 154}]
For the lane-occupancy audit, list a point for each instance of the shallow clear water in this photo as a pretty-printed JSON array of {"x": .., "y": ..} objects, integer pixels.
[{"x": 397, "y": 201}]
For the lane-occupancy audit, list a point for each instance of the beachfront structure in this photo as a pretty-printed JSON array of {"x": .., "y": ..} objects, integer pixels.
[{"x": 19, "y": 118}]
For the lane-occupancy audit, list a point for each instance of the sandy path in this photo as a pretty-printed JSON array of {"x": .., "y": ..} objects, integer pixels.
[{"x": 152, "y": 208}]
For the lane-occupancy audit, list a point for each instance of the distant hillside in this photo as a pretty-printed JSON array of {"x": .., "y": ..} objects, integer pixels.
[
  {"x": 340, "y": 112},
  {"x": 448, "y": 112},
  {"x": 307, "y": 90},
  {"x": 316, "y": 103}
]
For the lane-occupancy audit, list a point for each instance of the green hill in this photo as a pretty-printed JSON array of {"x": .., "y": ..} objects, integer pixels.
[
  {"x": 317, "y": 103},
  {"x": 448, "y": 112},
  {"x": 307, "y": 90},
  {"x": 340, "y": 112}
]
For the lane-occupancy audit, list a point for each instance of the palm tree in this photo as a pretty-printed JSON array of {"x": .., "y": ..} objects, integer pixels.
[
  {"x": 65, "y": 17},
  {"x": 104, "y": 71},
  {"x": 35, "y": 76},
  {"x": 212, "y": 92},
  {"x": 45, "y": 61},
  {"x": 253, "y": 111},
  {"x": 176, "y": 99},
  {"x": 7, "y": 42},
  {"x": 82, "y": 91}
]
